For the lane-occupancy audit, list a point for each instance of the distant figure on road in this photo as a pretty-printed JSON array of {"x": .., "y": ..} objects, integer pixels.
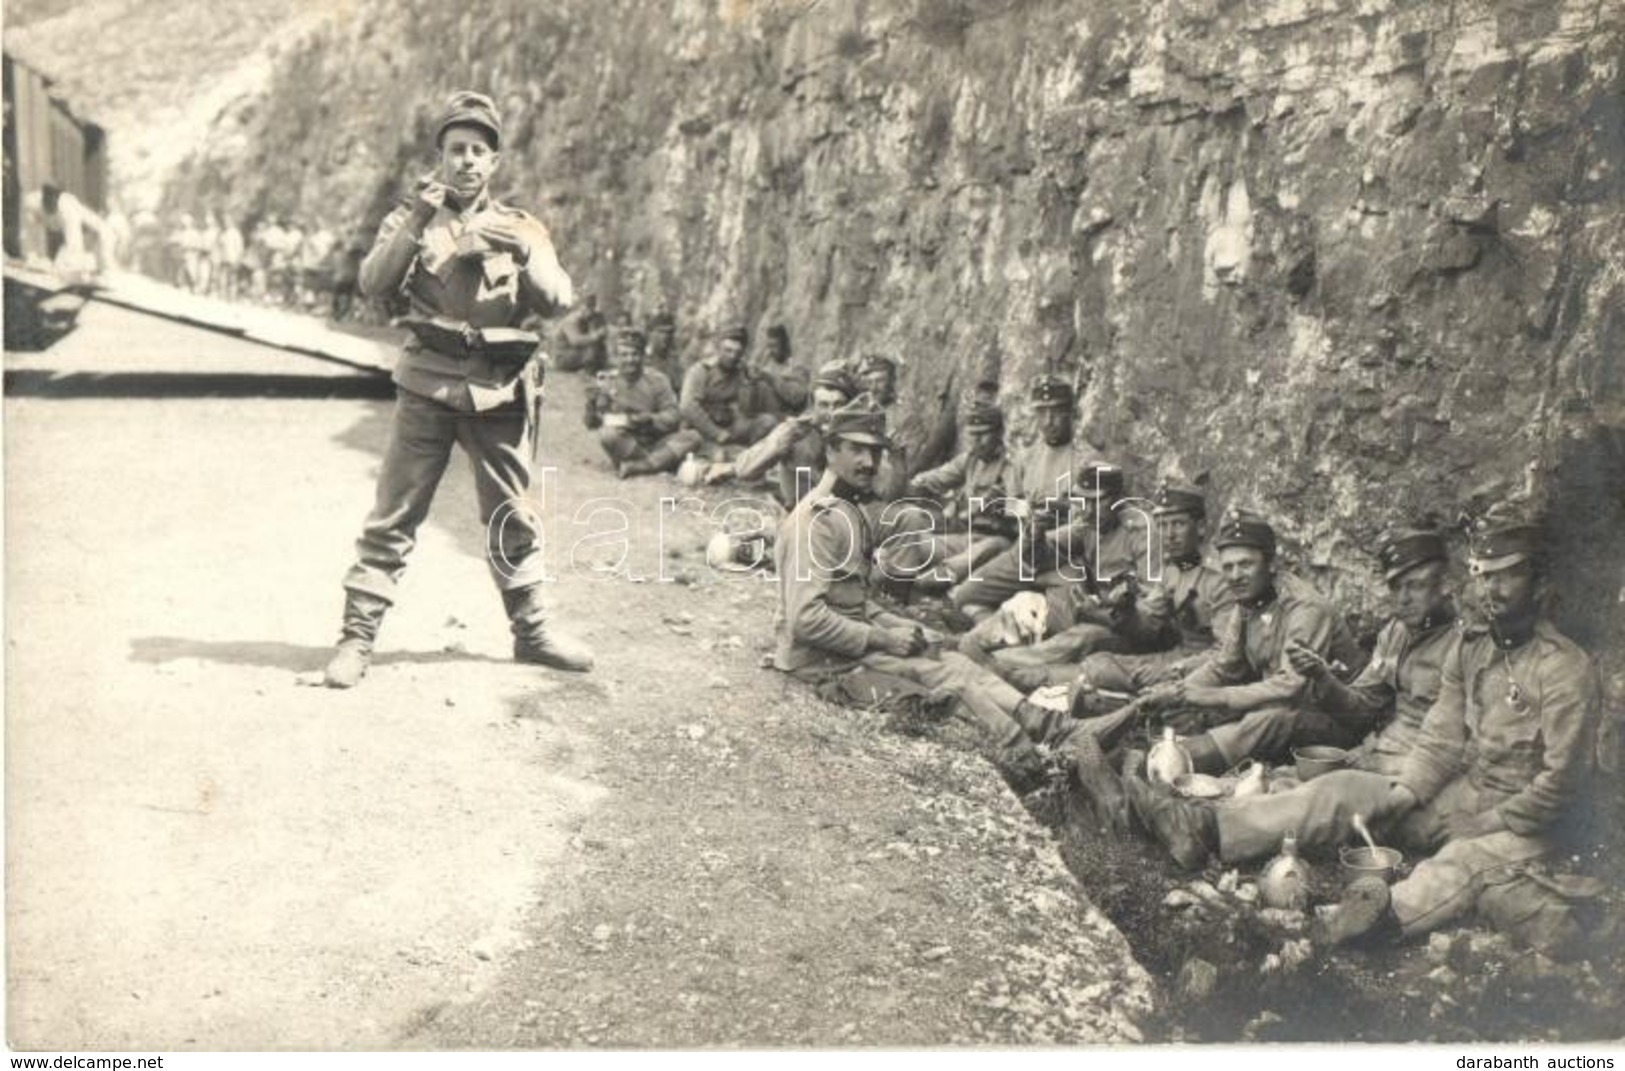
[{"x": 473, "y": 269}]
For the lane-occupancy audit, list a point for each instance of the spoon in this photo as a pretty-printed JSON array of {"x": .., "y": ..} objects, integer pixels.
[{"x": 1359, "y": 827}]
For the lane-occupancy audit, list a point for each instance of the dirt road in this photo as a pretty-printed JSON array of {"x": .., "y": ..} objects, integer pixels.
[{"x": 675, "y": 850}]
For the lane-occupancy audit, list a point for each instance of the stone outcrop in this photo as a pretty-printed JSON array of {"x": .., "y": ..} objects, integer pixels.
[{"x": 1357, "y": 259}]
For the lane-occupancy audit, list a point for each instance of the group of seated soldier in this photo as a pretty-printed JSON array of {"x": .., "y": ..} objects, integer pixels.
[{"x": 1472, "y": 741}]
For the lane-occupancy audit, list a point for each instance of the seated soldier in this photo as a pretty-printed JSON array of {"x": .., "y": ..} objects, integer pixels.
[
  {"x": 782, "y": 388},
  {"x": 635, "y": 412},
  {"x": 663, "y": 354},
  {"x": 831, "y": 633},
  {"x": 794, "y": 449},
  {"x": 1497, "y": 779},
  {"x": 1247, "y": 695},
  {"x": 938, "y": 543},
  {"x": 719, "y": 397},
  {"x": 1055, "y": 499},
  {"x": 1176, "y": 612},
  {"x": 585, "y": 338}
]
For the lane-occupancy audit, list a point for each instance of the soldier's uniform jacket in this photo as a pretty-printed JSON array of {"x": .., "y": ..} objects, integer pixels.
[
  {"x": 1250, "y": 662},
  {"x": 1040, "y": 471},
  {"x": 1399, "y": 685},
  {"x": 1518, "y": 718},
  {"x": 1197, "y": 597},
  {"x": 489, "y": 290},
  {"x": 713, "y": 400},
  {"x": 963, "y": 479},
  {"x": 793, "y": 444},
  {"x": 650, "y": 394},
  {"x": 823, "y": 557}
]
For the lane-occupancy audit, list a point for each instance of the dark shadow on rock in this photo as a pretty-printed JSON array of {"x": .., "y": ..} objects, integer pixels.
[{"x": 43, "y": 383}]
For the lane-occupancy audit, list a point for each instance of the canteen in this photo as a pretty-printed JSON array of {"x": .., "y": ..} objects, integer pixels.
[
  {"x": 1284, "y": 881},
  {"x": 1167, "y": 761}
]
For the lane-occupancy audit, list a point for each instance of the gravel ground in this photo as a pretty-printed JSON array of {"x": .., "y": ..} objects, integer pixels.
[{"x": 679, "y": 849}]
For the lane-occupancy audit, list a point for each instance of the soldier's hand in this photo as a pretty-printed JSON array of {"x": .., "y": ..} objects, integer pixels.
[
  {"x": 902, "y": 642},
  {"x": 431, "y": 197},
  {"x": 1163, "y": 696},
  {"x": 1401, "y": 799},
  {"x": 504, "y": 235},
  {"x": 1306, "y": 662}
]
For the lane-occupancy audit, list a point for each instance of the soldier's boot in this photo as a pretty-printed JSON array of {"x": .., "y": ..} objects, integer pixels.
[
  {"x": 363, "y": 613},
  {"x": 1364, "y": 916},
  {"x": 1188, "y": 831},
  {"x": 1044, "y": 725},
  {"x": 1099, "y": 782},
  {"x": 636, "y": 465},
  {"x": 664, "y": 459},
  {"x": 534, "y": 642},
  {"x": 1020, "y": 763},
  {"x": 1205, "y": 754}
]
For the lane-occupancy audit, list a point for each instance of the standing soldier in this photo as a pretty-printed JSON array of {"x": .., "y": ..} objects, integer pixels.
[
  {"x": 586, "y": 339},
  {"x": 719, "y": 396},
  {"x": 468, "y": 265},
  {"x": 634, "y": 411}
]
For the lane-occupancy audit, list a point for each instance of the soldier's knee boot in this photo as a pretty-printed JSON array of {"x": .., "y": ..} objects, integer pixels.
[
  {"x": 1363, "y": 917},
  {"x": 534, "y": 642},
  {"x": 664, "y": 459},
  {"x": 363, "y": 613}
]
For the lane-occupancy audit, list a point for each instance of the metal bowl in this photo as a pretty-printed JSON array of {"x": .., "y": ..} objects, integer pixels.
[
  {"x": 1366, "y": 862},
  {"x": 1199, "y": 786},
  {"x": 1317, "y": 760}
]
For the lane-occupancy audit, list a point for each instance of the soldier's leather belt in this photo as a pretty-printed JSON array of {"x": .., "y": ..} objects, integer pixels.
[{"x": 453, "y": 338}]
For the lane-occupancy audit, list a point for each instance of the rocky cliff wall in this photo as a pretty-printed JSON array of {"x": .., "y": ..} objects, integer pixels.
[{"x": 1358, "y": 259}]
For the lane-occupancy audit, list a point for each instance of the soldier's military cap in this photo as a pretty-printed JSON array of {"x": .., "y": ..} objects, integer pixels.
[
  {"x": 835, "y": 375},
  {"x": 1051, "y": 392},
  {"x": 631, "y": 337},
  {"x": 1239, "y": 529},
  {"x": 875, "y": 362},
  {"x": 858, "y": 423},
  {"x": 1099, "y": 479},
  {"x": 1496, "y": 545},
  {"x": 1400, "y": 552},
  {"x": 985, "y": 417},
  {"x": 736, "y": 332},
  {"x": 1174, "y": 498},
  {"x": 472, "y": 109}
]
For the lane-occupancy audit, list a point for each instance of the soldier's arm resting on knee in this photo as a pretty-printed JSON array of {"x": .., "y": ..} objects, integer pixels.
[
  {"x": 1367, "y": 701},
  {"x": 1438, "y": 754},
  {"x": 691, "y": 405}
]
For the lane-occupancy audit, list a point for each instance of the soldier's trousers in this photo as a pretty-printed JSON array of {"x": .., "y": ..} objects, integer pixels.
[
  {"x": 1440, "y": 888},
  {"x": 421, "y": 435},
  {"x": 622, "y": 444},
  {"x": 994, "y": 706},
  {"x": 1135, "y": 673},
  {"x": 1270, "y": 732}
]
